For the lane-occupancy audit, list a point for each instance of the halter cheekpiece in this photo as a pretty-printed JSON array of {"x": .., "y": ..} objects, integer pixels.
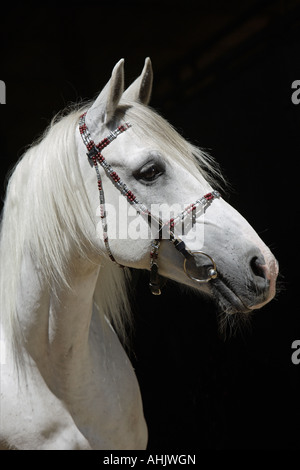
[{"x": 95, "y": 157}]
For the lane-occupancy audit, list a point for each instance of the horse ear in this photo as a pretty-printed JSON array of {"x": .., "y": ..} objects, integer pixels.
[
  {"x": 140, "y": 89},
  {"x": 105, "y": 105}
]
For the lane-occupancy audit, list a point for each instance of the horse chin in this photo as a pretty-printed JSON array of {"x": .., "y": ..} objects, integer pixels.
[{"x": 226, "y": 297}]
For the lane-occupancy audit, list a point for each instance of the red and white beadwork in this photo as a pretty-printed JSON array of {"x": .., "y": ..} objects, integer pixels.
[{"x": 95, "y": 155}]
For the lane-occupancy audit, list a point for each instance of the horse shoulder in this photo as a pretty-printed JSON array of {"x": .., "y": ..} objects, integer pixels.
[{"x": 32, "y": 417}]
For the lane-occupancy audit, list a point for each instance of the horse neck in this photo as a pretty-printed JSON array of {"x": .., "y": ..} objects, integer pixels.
[{"x": 56, "y": 323}]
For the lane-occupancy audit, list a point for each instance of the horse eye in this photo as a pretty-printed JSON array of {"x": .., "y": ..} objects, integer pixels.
[{"x": 149, "y": 172}]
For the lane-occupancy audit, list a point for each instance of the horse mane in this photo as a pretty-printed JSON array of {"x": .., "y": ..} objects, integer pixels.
[{"x": 46, "y": 214}]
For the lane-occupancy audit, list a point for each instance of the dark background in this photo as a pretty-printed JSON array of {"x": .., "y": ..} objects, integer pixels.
[{"x": 222, "y": 75}]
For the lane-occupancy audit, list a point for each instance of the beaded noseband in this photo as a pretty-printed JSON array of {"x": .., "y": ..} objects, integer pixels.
[{"x": 95, "y": 156}]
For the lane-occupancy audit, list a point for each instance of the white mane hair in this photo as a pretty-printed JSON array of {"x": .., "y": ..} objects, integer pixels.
[{"x": 46, "y": 211}]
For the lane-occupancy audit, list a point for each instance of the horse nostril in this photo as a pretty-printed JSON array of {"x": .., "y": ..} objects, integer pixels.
[{"x": 257, "y": 267}]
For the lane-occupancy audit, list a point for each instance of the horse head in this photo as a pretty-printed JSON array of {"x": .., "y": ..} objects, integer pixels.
[{"x": 171, "y": 210}]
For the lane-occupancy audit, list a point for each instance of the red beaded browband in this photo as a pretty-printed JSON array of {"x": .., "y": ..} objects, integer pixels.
[{"x": 95, "y": 156}]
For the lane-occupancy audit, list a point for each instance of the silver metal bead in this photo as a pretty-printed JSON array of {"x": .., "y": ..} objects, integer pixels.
[{"x": 212, "y": 273}]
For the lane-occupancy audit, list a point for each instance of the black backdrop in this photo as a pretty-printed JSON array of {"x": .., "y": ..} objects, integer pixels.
[{"x": 223, "y": 75}]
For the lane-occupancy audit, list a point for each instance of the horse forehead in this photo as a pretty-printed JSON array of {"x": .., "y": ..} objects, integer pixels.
[
  {"x": 133, "y": 149},
  {"x": 130, "y": 145}
]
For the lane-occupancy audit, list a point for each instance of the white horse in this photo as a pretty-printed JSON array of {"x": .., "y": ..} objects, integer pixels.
[{"x": 66, "y": 382}]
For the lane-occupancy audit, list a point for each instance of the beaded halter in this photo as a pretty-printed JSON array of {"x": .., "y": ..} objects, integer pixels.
[{"x": 95, "y": 156}]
